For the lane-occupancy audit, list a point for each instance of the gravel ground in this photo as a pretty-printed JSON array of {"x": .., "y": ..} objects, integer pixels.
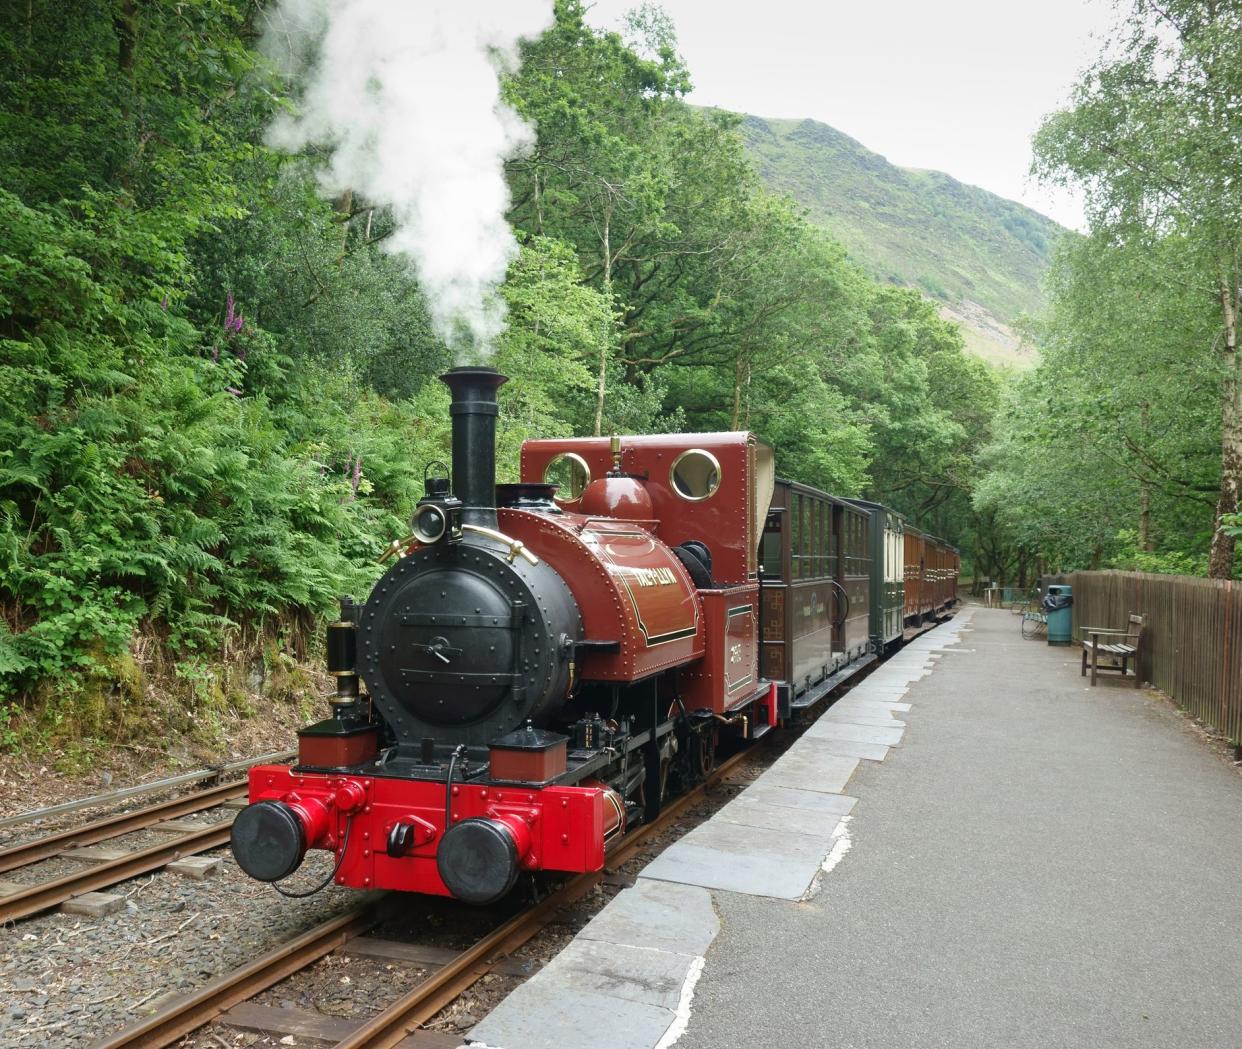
[
  {"x": 58, "y": 866},
  {"x": 65, "y": 980}
]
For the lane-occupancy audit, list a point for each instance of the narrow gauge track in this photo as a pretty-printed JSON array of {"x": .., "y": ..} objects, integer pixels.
[
  {"x": 115, "y": 797},
  {"x": 43, "y": 895},
  {"x": 114, "y": 826},
  {"x": 412, "y": 1010}
]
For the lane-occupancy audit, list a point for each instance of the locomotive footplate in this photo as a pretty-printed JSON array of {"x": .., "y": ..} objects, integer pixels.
[{"x": 581, "y": 764}]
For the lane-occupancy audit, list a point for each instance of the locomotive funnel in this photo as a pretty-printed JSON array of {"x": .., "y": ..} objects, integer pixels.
[{"x": 474, "y": 441}]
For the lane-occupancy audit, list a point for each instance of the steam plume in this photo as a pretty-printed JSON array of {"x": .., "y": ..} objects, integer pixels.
[{"x": 405, "y": 95}]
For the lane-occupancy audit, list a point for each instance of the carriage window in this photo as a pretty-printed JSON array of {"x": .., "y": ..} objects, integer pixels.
[
  {"x": 570, "y": 471},
  {"x": 695, "y": 474},
  {"x": 808, "y": 537},
  {"x": 821, "y": 559},
  {"x": 795, "y": 535},
  {"x": 770, "y": 548},
  {"x": 812, "y": 561}
]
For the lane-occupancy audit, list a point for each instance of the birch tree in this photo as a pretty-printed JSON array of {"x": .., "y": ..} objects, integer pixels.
[{"x": 1154, "y": 140}]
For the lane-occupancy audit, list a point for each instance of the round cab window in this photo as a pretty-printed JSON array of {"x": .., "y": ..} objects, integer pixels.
[
  {"x": 695, "y": 474},
  {"x": 571, "y": 472}
]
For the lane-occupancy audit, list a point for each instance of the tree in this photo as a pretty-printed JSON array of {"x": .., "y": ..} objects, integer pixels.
[{"x": 1154, "y": 139}]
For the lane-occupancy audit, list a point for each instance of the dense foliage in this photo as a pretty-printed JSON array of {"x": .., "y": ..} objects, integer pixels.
[
  {"x": 1125, "y": 446},
  {"x": 217, "y": 396}
]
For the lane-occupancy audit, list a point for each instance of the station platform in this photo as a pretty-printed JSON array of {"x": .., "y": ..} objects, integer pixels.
[{"x": 971, "y": 848}]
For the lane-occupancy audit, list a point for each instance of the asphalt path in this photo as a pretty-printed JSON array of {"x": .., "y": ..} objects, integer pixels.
[{"x": 1038, "y": 864}]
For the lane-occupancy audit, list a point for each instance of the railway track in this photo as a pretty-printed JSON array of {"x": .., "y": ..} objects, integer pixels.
[
  {"x": 43, "y": 895},
  {"x": 410, "y": 1012},
  {"x": 114, "y": 797},
  {"x": 114, "y": 826},
  {"x": 98, "y": 875}
]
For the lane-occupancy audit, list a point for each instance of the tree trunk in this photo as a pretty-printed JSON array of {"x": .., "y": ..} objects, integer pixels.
[
  {"x": 1220, "y": 560},
  {"x": 1145, "y": 541},
  {"x": 125, "y": 22},
  {"x": 601, "y": 386},
  {"x": 343, "y": 206},
  {"x": 739, "y": 368}
]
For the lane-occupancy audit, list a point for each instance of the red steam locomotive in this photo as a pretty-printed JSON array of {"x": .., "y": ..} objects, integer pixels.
[{"x": 543, "y": 663}]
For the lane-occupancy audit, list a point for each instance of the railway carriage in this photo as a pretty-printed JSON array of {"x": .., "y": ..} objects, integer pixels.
[
  {"x": 544, "y": 662},
  {"x": 888, "y": 579},
  {"x": 816, "y": 587},
  {"x": 931, "y": 570}
]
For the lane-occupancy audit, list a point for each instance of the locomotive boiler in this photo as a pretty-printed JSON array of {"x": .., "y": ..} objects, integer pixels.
[{"x": 538, "y": 667}]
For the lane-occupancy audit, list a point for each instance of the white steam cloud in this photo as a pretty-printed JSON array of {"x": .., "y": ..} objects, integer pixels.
[{"x": 405, "y": 94}]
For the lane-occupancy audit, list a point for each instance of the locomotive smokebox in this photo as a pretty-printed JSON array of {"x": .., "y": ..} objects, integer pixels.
[{"x": 474, "y": 441}]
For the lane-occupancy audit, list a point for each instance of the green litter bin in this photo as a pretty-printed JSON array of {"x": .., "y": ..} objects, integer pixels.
[{"x": 1058, "y": 605}]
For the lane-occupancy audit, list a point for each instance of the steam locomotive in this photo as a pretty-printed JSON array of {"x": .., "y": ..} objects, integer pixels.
[{"x": 545, "y": 662}]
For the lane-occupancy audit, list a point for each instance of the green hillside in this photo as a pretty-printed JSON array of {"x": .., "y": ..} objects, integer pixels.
[{"x": 923, "y": 228}]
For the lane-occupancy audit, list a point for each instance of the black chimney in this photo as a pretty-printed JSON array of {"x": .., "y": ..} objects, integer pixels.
[{"x": 474, "y": 441}]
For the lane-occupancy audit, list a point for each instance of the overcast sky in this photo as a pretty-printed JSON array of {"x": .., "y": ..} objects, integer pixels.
[{"x": 956, "y": 85}]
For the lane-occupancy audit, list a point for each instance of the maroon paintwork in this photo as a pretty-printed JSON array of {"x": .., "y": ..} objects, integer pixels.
[
  {"x": 629, "y": 587},
  {"x": 724, "y": 520}
]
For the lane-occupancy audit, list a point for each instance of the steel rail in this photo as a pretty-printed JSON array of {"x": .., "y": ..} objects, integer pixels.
[
  {"x": 393, "y": 1024},
  {"x": 47, "y": 894},
  {"x": 114, "y": 826},
  {"x": 146, "y": 788},
  {"x": 387, "y": 1028},
  {"x": 209, "y": 1001}
]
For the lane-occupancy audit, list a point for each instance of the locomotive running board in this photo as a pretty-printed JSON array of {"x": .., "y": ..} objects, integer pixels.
[{"x": 814, "y": 695}]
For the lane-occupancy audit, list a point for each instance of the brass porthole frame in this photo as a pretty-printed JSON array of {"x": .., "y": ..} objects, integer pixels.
[
  {"x": 672, "y": 475},
  {"x": 575, "y": 460}
]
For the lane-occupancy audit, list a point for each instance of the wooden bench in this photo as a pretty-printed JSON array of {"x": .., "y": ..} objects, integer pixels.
[{"x": 1124, "y": 645}]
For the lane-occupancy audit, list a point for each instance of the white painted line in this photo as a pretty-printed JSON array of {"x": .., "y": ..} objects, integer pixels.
[
  {"x": 842, "y": 844},
  {"x": 681, "y": 1018}
]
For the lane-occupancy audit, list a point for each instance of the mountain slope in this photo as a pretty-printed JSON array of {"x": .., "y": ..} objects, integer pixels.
[{"x": 982, "y": 256}]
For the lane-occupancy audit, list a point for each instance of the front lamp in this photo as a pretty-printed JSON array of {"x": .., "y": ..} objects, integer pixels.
[{"x": 430, "y": 523}]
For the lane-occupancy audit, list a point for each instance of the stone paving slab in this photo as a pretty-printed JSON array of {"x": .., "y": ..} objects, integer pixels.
[
  {"x": 196, "y": 868},
  {"x": 773, "y": 795},
  {"x": 849, "y": 717},
  {"x": 658, "y": 915},
  {"x": 824, "y": 729},
  {"x": 620, "y": 982},
  {"x": 635, "y": 974},
  {"x": 758, "y": 861},
  {"x": 848, "y": 748},
  {"x": 558, "y": 1014},
  {"x": 753, "y": 813},
  {"x": 806, "y": 769},
  {"x": 870, "y": 706}
]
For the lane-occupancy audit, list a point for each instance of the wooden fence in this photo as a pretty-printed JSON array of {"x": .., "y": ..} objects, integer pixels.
[{"x": 1193, "y": 639}]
